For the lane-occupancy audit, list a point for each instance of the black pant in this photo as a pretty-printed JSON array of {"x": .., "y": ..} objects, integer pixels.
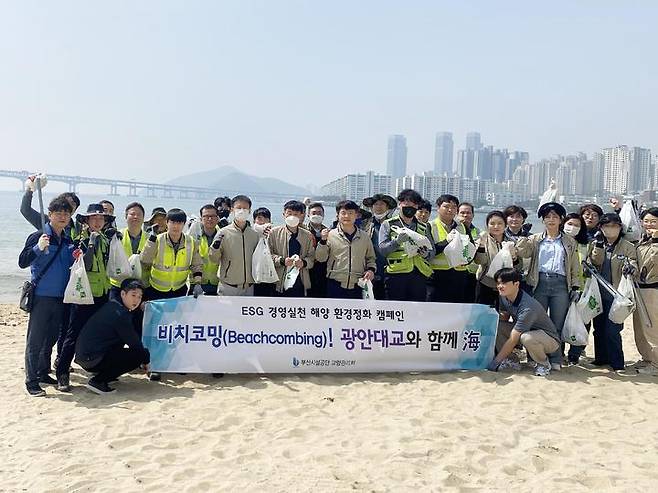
[
  {"x": 447, "y": 286},
  {"x": 296, "y": 291},
  {"x": 379, "y": 289},
  {"x": 405, "y": 287},
  {"x": 208, "y": 289},
  {"x": 470, "y": 288},
  {"x": 79, "y": 316},
  {"x": 266, "y": 289},
  {"x": 318, "y": 275},
  {"x": 116, "y": 362},
  {"x": 46, "y": 318},
  {"x": 334, "y": 290},
  {"x": 154, "y": 294},
  {"x": 63, "y": 328},
  {"x": 485, "y": 295}
]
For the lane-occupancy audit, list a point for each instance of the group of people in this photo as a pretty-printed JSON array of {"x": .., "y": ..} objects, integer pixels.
[{"x": 376, "y": 242}]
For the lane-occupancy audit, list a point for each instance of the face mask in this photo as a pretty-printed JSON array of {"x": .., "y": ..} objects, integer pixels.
[
  {"x": 259, "y": 228},
  {"x": 241, "y": 214},
  {"x": 409, "y": 211},
  {"x": 571, "y": 230},
  {"x": 223, "y": 213},
  {"x": 292, "y": 221},
  {"x": 316, "y": 219},
  {"x": 381, "y": 216}
]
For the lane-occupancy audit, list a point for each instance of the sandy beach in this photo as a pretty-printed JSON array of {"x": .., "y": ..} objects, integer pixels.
[{"x": 581, "y": 429}]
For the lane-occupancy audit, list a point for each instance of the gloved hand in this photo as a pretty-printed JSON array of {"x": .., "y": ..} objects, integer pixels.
[
  {"x": 423, "y": 251},
  {"x": 628, "y": 269},
  {"x": 44, "y": 242},
  {"x": 493, "y": 365},
  {"x": 574, "y": 296},
  {"x": 197, "y": 290},
  {"x": 599, "y": 238},
  {"x": 402, "y": 237},
  {"x": 117, "y": 233},
  {"x": 155, "y": 229},
  {"x": 217, "y": 241},
  {"x": 93, "y": 237},
  {"x": 526, "y": 228},
  {"x": 29, "y": 185},
  {"x": 452, "y": 235}
]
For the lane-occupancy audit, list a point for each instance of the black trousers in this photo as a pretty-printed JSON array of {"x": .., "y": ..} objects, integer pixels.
[
  {"x": 116, "y": 362},
  {"x": 470, "y": 288},
  {"x": 46, "y": 318},
  {"x": 486, "y": 295},
  {"x": 334, "y": 290},
  {"x": 406, "y": 287},
  {"x": 153, "y": 294},
  {"x": 447, "y": 286}
]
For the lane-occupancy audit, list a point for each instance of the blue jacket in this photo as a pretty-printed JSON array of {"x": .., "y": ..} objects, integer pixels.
[{"x": 54, "y": 282}]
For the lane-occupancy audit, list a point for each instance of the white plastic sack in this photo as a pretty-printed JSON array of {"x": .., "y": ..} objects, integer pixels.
[
  {"x": 118, "y": 266},
  {"x": 632, "y": 226},
  {"x": 78, "y": 289},
  {"x": 549, "y": 195},
  {"x": 291, "y": 275},
  {"x": 502, "y": 259},
  {"x": 623, "y": 303},
  {"x": 460, "y": 251},
  {"x": 590, "y": 304},
  {"x": 193, "y": 227},
  {"x": 135, "y": 266},
  {"x": 262, "y": 265},
  {"x": 415, "y": 241},
  {"x": 574, "y": 331},
  {"x": 366, "y": 286}
]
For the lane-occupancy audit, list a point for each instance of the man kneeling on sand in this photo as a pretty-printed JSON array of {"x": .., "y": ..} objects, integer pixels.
[
  {"x": 531, "y": 325},
  {"x": 100, "y": 348}
]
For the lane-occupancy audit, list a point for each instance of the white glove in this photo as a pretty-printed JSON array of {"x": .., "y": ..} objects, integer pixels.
[
  {"x": 452, "y": 235},
  {"x": 402, "y": 237},
  {"x": 29, "y": 185},
  {"x": 44, "y": 242}
]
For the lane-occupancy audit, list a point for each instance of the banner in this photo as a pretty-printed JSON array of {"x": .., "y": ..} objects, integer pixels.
[{"x": 226, "y": 334}]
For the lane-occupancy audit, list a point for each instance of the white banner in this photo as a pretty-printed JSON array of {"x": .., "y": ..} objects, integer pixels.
[{"x": 224, "y": 334}]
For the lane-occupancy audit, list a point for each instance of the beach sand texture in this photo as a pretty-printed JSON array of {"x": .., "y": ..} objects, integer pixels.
[{"x": 582, "y": 429}]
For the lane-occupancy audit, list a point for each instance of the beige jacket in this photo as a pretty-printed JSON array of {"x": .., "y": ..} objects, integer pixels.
[
  {"x": 647, "y": 259},
  {"x": 347, "y": 260},
  {"x": 234, "y": 255},
  {"x": 529, "y": 248},
  {"x": 278, "y": 243},
  {"x": 623, "y": 248},
  {"x": 150, "y": 250}
]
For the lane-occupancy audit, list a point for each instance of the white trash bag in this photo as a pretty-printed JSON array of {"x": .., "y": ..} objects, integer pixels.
[
  {"x": 291, "y": 275},
  {"x": 623, "y": 303},
  {"x": 574, "y": 331},
  {"x": 78, "y": 289},
  {"x": 632, "y": 226},
  {"x": 135, "y": 265},
  {"x": 118, "y": 266},
  {"x": 502, "y": 259},
  {"x": 550, "y": 195},
  {"x": 262, "y": 265},
  {"x": 366, "y": 286},
  {"x": 193, "y": 227},
  {"x": 415, "y": 241},
  {"x": 460, "y": 251},
  {"x": 590, "y": 303}
]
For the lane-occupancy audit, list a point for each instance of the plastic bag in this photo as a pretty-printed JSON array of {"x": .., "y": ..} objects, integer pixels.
[
  {"x": 623, "y": 303},
  {"x": 135, "y": 266},
  {"x": 632, "y": 225},
  {"x": 291, "y": 275},
  {"x": 548, "y": 196},
  {"x": 460, "y": 251},
  {"x": 366, "y": 286},
  {"x": 78, "y": 289},
  {"x": 262, "y": 265},
  {"x": 193, "y": 227},
  {"x": 574, "y": 331},
  {"x": 502, "y": 259},
  {"x": 415, "y": 241},
  {"x": 118, "y": 266},
  {"x": 590, "y": 304}
]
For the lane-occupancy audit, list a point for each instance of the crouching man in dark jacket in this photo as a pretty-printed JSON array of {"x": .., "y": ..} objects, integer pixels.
[{"x": 100, "y": 346}]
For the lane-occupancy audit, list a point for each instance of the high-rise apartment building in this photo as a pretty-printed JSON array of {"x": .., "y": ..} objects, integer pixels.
[
  {"x": 443, "y": 149},
  {"x": 396, "y": 161}
]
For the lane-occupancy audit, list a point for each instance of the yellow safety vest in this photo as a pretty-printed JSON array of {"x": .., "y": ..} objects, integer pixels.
[
  {"x": 170, "y": 269},
  {"x": 473, "y": 267},
  {"x": 440, "y": 261},
  {"x": 128, "y": 248},
  {"x": 209, "y": 268},
  {"x": 97, "y": 275},
  {"x": 398, "y": 262}
]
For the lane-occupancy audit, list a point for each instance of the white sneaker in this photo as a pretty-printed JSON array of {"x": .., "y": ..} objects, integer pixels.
[
  {"x": 542, "y": 371},
  {"x": 556, "y": 366},
  {"x": 648, "y": 370}
]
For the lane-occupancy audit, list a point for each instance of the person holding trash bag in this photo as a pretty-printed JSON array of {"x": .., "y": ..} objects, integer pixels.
[
  {"x": 262, "y": 226},
  {"x": 554, "y": 269},
  {"x": 95, "y": 245},
  {"x": 318, "y": 272},
  {"x": 614, "y": 257},
  {"x": 349, "y": 254},
  {"x": 49, "y": 254},
  {"x": 383, "y": 208},
  {"x": 407, "y": 269},
  {"x": 646, "y": 335},
  {"x": 465, "y": 215},
  {"x": 133, "y": 238},
  {"x": 209, "y": 229}
]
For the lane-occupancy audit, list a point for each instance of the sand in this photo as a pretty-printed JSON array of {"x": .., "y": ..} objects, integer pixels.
[{"x": 581, "y": 429}]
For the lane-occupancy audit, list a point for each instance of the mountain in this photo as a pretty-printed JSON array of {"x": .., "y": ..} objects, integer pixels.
[{"x": 228, "y": 180}]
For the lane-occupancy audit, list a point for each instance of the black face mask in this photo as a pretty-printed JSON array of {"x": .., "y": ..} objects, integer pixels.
[
  {"x": 409, "y": 211},
  {"x": 224, "y": 213}
]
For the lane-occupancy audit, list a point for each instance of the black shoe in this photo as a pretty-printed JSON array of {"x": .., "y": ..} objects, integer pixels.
[
  {"x": 98, "y": 387},
  {"x": 217, "y": 375},
  {"x": 63, "y": 384},
  {"x": 597, "y": 363},
  {"x": 47, "y": 380},
  {"x": 35, "y": 390},
  {"x": 154, "y": 376}
]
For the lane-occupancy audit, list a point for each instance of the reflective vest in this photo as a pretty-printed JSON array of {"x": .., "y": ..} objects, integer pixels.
[
  {"x": 209, "y": 268},
  {"x": 475, "y": 234},
  {"x": 398, "y": 262},
  {"x": 440, "y": 261},
  {"x": 170, "y": 269},
  {"x": 128, "y": 248},
  {"x": 97, "y": 275}
]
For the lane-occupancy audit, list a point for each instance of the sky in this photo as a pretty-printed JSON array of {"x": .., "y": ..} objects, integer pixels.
[{"x": 307, "y": 91}]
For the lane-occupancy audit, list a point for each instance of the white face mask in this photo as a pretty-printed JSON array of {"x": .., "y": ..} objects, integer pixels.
[
  {"x": 260, "y": 228},
  {"x": 381, "y": 216},
  {"x": 241, "y": 214},
  {"x": 316, "y": 218},
  {"x": 292, "y": 221},
  {"x": 571, "y": 230}
]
